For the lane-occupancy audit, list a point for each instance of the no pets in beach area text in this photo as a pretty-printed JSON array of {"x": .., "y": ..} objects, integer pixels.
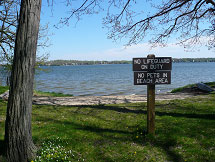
[{"x": 144, "y": 78}]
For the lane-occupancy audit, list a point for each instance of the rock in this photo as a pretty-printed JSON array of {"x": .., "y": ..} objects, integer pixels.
[
  {"x": 5, "y": 95},
  {"x": 204, "y": 87}
]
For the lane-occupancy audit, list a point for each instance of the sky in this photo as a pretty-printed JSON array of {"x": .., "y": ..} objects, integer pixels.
[{"x": 87, "y": 40}]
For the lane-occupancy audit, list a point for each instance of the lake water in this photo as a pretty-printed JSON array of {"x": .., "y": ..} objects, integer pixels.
[{"x": 115, "y": 79}]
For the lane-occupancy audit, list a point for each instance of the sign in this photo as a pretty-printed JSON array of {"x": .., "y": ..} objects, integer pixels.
[
  {"x": 157, "y": 63},
  {"x": 157, "y": 77},
  {"x": 151, "y": 71}
]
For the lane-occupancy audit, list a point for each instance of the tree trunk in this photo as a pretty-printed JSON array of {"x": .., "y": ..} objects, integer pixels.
[{"x": 18, "y": 136}]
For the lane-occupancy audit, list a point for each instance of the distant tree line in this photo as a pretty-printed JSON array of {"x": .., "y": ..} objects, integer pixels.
[
  {"x": 78, "y": 62},
  {"x": 194, "y": 60}
]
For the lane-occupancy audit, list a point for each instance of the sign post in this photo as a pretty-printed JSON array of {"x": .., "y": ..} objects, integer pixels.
[
  {"x": 150, "y": 71},
  {"x": 151, "y": 106}
]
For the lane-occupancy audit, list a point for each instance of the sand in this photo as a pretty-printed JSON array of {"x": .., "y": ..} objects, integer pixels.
[{"x": 99, "y": 100}]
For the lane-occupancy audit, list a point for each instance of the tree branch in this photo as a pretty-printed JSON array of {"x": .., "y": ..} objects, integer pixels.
[
  {"x": 211, "y": 2},
  {"x": 124, "y": 8},
  {"x": 158, "y": 14}
]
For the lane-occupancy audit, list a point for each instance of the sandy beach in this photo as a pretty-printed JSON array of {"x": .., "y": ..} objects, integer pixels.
[{"x": 98, "y": 100}]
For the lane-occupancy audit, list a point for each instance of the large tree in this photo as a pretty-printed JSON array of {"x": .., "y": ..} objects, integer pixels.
[
  {"x": 190, "y": 21},
  {"x": 18, "y": 135}
]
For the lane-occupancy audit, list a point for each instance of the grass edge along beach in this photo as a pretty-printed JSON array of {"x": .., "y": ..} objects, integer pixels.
[{"x": 184, "y": 131}]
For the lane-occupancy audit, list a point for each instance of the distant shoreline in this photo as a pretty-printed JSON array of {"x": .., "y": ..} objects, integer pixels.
[{"x": 78, "y": 62}]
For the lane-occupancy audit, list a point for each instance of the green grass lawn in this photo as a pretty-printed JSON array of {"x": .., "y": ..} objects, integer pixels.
[
  {"x": 50, "y": 94},
  {"x": 39, "y": 93},
  {"x": 185, "y": 131},
  {"x": 180, "y": 89},
  {"x": 3, "y": 89}
]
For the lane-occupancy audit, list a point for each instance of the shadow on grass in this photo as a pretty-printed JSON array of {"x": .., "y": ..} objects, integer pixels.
[
  {"x": 167, "y": 147},
  {"x": 2, "y": 147},
  {"x": 112, "y": 108},
  {"x": 139, "y": 111},
  {"x": 84, "y": 127},
  {"x": 109, "y": 135},
  {"x": 113, "y": 134}
]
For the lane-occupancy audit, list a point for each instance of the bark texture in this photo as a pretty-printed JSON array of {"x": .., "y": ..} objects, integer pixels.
[{"x": 18, "y": 135}]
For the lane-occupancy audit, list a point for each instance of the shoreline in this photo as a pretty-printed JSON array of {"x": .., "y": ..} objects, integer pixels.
[
  {"x": 102, "y": 100},
  {"x": 47, "y": 98}
]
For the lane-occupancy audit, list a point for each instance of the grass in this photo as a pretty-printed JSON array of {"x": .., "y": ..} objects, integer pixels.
[
  {"x": 180, "y": 89},
  {"x": 50, "y": 94},
  {"x": 3, "y": 89},
  {"x": 211, "y": 84},
  {"x": 39, "y": 93},
  {"x": 185, "y": 131}
]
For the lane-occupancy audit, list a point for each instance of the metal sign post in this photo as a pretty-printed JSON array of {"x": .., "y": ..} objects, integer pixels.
[{"x": 150, "y": 71}]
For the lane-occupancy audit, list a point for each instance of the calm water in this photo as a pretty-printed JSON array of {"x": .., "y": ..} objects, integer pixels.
[{"x": 115, "y": 79}]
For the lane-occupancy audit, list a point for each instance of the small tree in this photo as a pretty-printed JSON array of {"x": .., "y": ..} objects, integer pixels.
[{"x": 8, "y": 24}]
